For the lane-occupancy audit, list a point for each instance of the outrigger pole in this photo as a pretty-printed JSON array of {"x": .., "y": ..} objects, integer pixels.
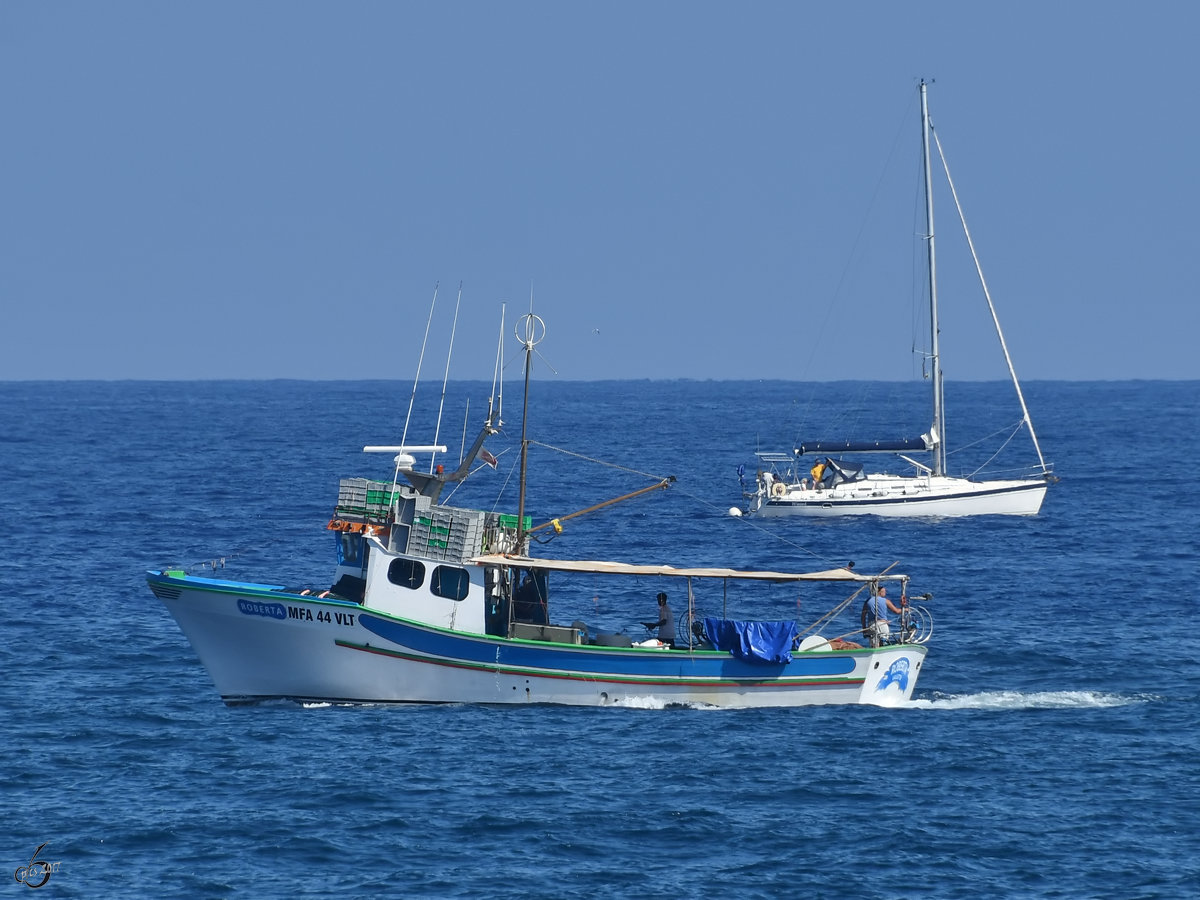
[{"x": 556, "y": 524}]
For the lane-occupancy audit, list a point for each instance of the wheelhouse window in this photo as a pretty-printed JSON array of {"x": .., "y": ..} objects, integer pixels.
[
  {"x": 407, "y": 573},
  {"x": 450, "y": 582},
  {"x": 349, "y": 548}
]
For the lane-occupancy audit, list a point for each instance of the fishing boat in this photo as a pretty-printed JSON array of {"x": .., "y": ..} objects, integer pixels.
[
  {"x": 433, "y": 603},
  {"x": 814, "y": 480}
]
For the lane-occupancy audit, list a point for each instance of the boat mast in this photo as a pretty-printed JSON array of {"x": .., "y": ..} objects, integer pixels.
[
  {"x": 535, "y": 330},
  {"x": 939, "y": 450}
]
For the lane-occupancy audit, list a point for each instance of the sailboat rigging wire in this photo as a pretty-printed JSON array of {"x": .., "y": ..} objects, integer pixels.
[
  {"x": 446, "y": 377},
  {"x": 752, "y": 522},
  {"x": 1008, "y": 440},
  {"x": 846, "y": 269},
  {"x": 988, "y": 296}
]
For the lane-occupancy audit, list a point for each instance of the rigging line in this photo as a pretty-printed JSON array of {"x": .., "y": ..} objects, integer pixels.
[
  {"x": 496, "y": 372},
  {"x": 507, "y": 480},
  {"x": 988, "y": 296},
  {"x": 416, "y": 381},
  {"x": 592, "y": 460},
  {"x": 828, "y": 617},
  {"x": 462, "y": 447},
  {"x": 987, "y": 437},
  {"x": 999, "y": 450},
  {"x": 751, "y": 522},
  {"x": 479, "y": 468},
  {"x": 218, "y": 562},
  {"x": 437, "y": 431},
  {"x": 837, "y": 292}
]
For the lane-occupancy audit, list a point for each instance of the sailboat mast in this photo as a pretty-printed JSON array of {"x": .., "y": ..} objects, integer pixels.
[{"x": 939, "y": 450}]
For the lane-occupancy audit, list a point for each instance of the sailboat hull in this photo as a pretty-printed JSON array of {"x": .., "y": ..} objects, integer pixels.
[{"x": 898, "y": 496}]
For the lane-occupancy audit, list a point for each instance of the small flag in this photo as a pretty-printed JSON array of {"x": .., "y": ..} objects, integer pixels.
[{"x": 487, "y": 458}]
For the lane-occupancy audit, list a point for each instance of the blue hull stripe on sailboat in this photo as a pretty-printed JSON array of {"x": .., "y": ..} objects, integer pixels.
[
  {"x": 566, "y": 660},
  {"x": 901, "y": 501}
]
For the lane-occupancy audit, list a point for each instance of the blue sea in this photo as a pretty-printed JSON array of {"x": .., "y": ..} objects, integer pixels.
[{"x": 1052, "y": 750}]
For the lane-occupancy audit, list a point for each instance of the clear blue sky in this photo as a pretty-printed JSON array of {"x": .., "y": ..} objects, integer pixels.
[{"x": 691, "y": 189}]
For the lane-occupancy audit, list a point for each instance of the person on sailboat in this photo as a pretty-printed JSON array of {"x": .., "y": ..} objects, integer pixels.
[
  {"x": 665, "y": 623},
  {"x": 875, "y": 623},
  {"x": 817, "y": 471}
]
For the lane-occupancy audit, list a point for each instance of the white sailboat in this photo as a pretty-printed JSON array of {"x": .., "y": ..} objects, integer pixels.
[{"x": 813, "y": 480}]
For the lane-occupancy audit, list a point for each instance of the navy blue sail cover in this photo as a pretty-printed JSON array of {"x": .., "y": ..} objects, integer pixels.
[
  {"x": 915, "y": 445},
  {"x": 769, "y": 643}
]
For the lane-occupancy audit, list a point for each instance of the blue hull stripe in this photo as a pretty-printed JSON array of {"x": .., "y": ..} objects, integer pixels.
[
  {"x": 788, "y": 681},
  {"x": 566, "y": 660},
  {"x": 902, "y": 501}
]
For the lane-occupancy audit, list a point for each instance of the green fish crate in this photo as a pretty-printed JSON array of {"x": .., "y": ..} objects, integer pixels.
[
  {"x": 446, "y": 533},
  {"x": 361, "y": 498}
]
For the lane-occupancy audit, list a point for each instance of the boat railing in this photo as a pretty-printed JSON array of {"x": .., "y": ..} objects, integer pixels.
[{"x": 916, "y": 625}]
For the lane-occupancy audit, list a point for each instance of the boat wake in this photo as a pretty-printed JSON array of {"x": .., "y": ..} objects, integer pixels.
[
  {"x": 1035, "y": 700},
  {"x": 996, "y": 700},
  {"x": 652, "y": 702}
]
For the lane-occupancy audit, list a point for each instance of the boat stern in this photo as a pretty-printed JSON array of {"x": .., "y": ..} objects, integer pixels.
[{"x": 891, "y": 675}]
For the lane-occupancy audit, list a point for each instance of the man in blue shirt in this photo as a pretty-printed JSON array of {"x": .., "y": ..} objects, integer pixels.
[{"x": 876, "y": 625}]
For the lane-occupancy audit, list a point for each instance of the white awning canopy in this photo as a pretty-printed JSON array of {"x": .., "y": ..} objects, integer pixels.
[{"x": 600, "y": 567}]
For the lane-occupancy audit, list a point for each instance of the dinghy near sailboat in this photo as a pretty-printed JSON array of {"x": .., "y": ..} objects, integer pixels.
[
  {"x": 433, "y": 603},
  {"x": 816, "y": 480}
]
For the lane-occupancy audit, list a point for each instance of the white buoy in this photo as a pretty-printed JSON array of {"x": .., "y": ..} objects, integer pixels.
[{"x": 734, "y": 511}]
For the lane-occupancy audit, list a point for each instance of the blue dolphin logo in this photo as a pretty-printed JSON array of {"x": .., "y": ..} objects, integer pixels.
[{"x": 896, "y": 674}]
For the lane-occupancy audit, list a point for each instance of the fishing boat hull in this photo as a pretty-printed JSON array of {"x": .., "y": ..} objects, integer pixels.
[
  {"x": 261, "y": 642},
  {"x": 898, "y": 496}
]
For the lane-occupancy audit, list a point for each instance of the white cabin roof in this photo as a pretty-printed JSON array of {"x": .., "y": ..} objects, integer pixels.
[{"x": 619, "y": 568}]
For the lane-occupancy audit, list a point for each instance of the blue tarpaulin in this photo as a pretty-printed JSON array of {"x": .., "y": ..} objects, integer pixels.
[{"x": 756, "y": 642}]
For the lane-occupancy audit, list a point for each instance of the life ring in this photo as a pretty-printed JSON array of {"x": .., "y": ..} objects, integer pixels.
[{"x": 778, "y": 489}]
